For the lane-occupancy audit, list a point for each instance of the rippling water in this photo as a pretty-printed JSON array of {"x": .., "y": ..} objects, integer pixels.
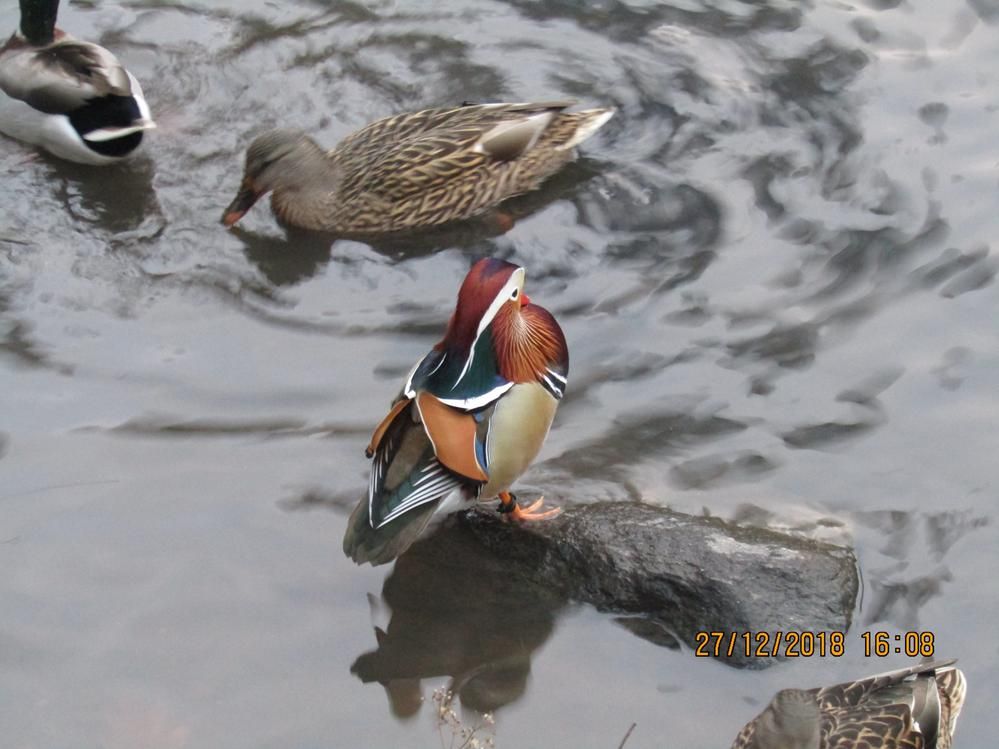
[{"x": 774, "y": 269}]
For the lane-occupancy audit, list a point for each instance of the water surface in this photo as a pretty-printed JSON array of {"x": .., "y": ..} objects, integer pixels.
[{"x": 775, "y": 272}]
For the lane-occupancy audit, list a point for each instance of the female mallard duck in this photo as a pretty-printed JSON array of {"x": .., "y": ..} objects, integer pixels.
[
  {"x": 471, "y": 416},
  {"x": 912, "y": 708},
  {"x": 412, "y": 170},
  {"x": 72, "y": 98}
]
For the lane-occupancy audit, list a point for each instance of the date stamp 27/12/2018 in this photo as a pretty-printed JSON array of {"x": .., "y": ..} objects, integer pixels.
[{"x": 794, "y": 644}]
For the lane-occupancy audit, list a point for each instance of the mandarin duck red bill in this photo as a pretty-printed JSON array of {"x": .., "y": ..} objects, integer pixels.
[
  {"x": 471, "y": 417},
  {"x": 910, "y": 708}
]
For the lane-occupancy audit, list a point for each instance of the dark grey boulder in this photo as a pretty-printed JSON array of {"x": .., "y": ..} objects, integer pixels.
[
  {"x": 665, "y": 574},
  {"x": 682, "y": 574}
]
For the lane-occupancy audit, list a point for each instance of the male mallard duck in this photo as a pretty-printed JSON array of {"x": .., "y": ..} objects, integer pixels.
[
  {"x": 912, "y": 708},
  {"x": 412, "y": 170},
  {"x": 471, "y": 416},
  {"x": 72, "y": 98}
]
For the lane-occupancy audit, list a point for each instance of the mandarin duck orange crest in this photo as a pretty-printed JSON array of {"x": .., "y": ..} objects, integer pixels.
[{"x": 470, "y": 419}]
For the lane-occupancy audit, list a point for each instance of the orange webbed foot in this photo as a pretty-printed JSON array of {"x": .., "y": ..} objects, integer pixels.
[
  {"x": 515, "y": 512},
  {"x": 499, "y": 221},
  {"x": 504, "y": 221}
]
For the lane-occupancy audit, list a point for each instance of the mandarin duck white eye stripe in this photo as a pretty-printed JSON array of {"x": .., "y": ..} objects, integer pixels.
[
  {"x": 515, "y": 283},
  {"x": 473, "y": 415}
]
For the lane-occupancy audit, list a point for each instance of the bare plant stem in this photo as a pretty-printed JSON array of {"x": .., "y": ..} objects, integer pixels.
[{"x": 626, "y": 736}]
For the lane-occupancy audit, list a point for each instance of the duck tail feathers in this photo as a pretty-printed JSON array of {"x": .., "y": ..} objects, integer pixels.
[
  {"x": 381, "y": 545},
  {"x": 590, "y": 120}
]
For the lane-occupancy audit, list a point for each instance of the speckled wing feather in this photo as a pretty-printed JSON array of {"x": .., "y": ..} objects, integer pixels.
[
  {"x": 861, "y": 690},
  {"x": 907, "y": 713},
  {"x": 745, "y": 738},
  {"x": 871, "y": 727},
  {"x": 435, "y": 166},
  {"x": 953, "y": 689},
  {"x": 399, "y": 156}
]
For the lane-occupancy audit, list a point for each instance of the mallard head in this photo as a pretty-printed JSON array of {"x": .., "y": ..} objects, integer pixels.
[
  {"x": 278, "y": 159},
  {"x": 792, "y": 721}
]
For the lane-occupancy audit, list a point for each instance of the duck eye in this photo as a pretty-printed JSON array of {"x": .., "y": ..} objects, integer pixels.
[{"x": 515, "y": 294}]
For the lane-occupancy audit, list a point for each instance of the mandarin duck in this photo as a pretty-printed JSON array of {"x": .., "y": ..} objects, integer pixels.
[
  {"x": 911, "y": 708},
  {"x": 412, "y": 170},
  {"x": 471, "y": 417},
  {"x": 72, "y": 98}
]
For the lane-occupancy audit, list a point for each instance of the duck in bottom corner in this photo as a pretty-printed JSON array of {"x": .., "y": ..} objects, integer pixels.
[
  {"x": 471, "y": 417},
  {"x": 910, "y": 708}
]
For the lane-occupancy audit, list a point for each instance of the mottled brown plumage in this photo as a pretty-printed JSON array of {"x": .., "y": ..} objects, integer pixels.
[
  {"x": 418, "y": 169},
  {"x": 911, "y": 708}
]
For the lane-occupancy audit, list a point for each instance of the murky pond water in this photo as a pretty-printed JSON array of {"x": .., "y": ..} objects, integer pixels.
[{"x": 775, "y": 270}]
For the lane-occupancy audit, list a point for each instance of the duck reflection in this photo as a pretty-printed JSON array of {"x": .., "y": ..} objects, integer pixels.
[
  {"x": 119, "y": 197},
  {"x": 445, "y": 622},
  {"x": 285, "y": 260}
]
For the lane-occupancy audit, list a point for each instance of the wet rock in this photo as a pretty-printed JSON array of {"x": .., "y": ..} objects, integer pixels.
[{"x": 686, "y": 573}]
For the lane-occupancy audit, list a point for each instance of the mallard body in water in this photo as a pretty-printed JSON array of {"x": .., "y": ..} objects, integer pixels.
[
  {"x": 470, "y": 419},
  {"x": 70, "y": 97},
  {"x": 412, "y": 170},
  {"x": 911, "y": 708}
]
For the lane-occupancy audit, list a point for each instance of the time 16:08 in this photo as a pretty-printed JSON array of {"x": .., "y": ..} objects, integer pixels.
[{"x": 912, "y": 644}]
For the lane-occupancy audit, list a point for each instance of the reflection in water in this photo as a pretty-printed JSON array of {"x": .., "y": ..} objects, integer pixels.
[
  {"x": 635, "y": 437},
  {"x": 285, "y": 260},
  {"x": 17, "y": 341},
  {"x": 902, "y": 586},
  {"x": 120, "y": 203},
  {"x": 457, "y": 612}
]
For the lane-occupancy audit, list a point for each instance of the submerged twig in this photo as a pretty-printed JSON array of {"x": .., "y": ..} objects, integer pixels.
[
  {"x": 626, "y": 736},
  {"x": 446, "y": 716}
]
